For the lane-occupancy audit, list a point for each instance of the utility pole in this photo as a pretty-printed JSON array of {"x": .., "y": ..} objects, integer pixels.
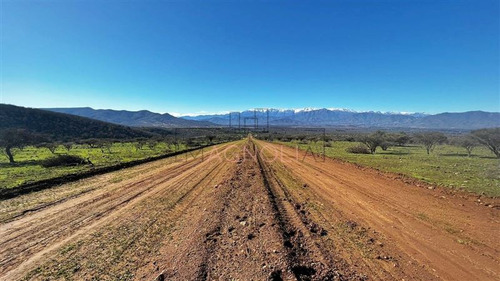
[
  {"x": 267, "y": 117},
  {"x": 267, "y": 111},
  {"x": 176, "y": 147},
  {"x": 256, "y": 121},
  {"x": 231, "y": 114}
]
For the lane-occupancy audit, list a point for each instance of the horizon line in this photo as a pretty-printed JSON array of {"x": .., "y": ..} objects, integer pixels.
[{"x": 300, "y": 109}]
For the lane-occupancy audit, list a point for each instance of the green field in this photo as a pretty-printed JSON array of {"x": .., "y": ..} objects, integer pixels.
[
  {"x": 28, "y": 166},
  {"x": 447, "y": 166}
]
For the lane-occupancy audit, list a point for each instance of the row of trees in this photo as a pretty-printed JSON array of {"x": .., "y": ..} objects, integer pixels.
[
  {"x": 20, "y": 138},
  {"x": 385, "y": 140},
  {"x": 487, "y": 137}
]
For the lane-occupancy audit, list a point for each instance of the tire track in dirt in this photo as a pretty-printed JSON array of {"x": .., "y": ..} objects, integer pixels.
[
  {"x": 161, "y": 209},
  {"x": 306, "y": 260},
  {"x": 37, "y": 234},
  {"x": 245, "y": 230},
  {"x": 324, "y": 227},
  {"x": 221, "y": 237},
  {"x": 263, "y": 235},
  {"x": 419, "y": 231},
  {"x": 101, "y": 197},
  {"x": 22, "y": 205},
  {"x": 328, "y": 265},
  {"x": 27, "y": 238},
  {"x": 194, "y": 184}
]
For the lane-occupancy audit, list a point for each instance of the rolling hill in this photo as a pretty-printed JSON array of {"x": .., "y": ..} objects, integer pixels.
[
  {"x": 141, "y": 118},
  {"x": 60, "y": 126}
]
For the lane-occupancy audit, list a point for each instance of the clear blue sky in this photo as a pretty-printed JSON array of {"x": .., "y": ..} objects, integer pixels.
[{"x": 193, "y": 56}]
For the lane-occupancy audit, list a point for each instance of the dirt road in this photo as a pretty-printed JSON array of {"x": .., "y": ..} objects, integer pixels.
[
  {"x": 388, "y": 228},
  {"x": 247, "y": 210}
]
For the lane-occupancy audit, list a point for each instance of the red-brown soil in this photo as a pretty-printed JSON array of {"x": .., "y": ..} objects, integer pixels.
[{"x": 248, "y": 210}]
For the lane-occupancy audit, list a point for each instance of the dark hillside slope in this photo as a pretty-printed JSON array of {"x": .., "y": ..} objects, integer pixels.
[{"x": 62, "y": 126}]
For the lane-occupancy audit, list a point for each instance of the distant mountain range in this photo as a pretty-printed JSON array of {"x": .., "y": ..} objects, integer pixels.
[
  {"x": 348, "y": 118},
  {"x": 309, "y": 117},
  {"x": 141, "y": 118}
]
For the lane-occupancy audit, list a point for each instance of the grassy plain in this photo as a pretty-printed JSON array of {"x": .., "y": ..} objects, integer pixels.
[
  {"x": 447, "y": 165},
  {"x": 28, "y": 166}
]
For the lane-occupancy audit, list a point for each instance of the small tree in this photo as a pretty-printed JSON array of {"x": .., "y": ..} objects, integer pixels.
[
  {"x": 105, "y": 146},
  {"x": 210, "y": 138},
  {"x": 176, "y": 142},
  {"x": 92, "y": 143},
  {"x": 374, "y": 140},
  {"x": 99, "y": 143},
  {"x": 51, "y": 146},
  {"x": 152, "y": 144},
  {"x": 430, "y": 139},
  {"x": 139, "y": 144},
  {"x": 392, "y": 139},
  {"x": 467, "y": 142},
  {"x": 402, "y": 139},
  {"x": 191, "y": 142},
  {"x": 17, "y": 138},
  {"x": 68, "y": 145},
  {"x": 385, "y": 145},
  {"x": 489, "y": 138},
  {"x": 301, "y": 138}
]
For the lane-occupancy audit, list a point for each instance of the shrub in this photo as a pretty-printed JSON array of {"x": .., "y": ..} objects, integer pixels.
[
  {"x": 63, "y": 160},
  {"x": 358, "y": 149}
]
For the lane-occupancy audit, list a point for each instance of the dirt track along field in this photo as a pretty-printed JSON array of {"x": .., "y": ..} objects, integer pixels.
[
  {"x": 248, "y": 210},
  {"x": 389, "y": 228}
]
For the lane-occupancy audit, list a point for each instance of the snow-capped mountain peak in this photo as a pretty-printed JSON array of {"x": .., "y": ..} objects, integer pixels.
[{"x": 305, "y": 110}]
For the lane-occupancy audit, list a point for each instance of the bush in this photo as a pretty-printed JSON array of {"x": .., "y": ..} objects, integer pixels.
[
  {"x": 64, "y": 160},
  {"x": 359, "y": 149}
]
